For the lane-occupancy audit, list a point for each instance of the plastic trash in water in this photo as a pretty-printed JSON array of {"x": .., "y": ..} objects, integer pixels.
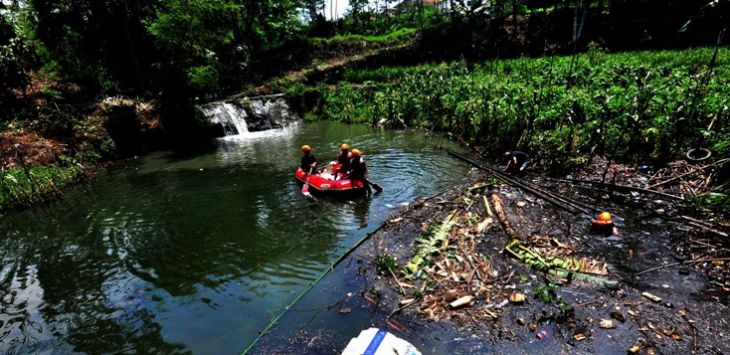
[
  {"x": 542, "y": 335},
  {"x": 376, "y": 341}
]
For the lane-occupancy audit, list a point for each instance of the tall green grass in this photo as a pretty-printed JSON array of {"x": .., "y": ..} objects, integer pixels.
[
  {"x": 19, "y": 187},
  {"x": 632, "y": 106},
  {"x": 350, "y": 38}
]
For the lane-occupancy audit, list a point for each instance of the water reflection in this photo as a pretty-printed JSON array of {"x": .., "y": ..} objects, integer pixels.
[{"x": 193, "y": 251}]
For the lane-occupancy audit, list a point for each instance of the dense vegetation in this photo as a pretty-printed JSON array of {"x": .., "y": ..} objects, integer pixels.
[
  {"x": 24, "y": 186},
  {"x": 635, "y": 106},
  {"x": 60, "y": 61},
  {"x": 166, "y": 49}
]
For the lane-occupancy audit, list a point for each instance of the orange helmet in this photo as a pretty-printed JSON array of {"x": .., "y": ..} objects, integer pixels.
[
  {"x": 604, "y": 217},
  {"x": 356, "y": 152},
  {"x": 306, "y": 148},
  {"x": 345, "y": 146}
]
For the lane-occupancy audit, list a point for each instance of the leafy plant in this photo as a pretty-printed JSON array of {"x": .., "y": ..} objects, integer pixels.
[
  {"x": 548, "y": 293},
  {"x": 630, "y": 106},
  {"x": 386, "y": 263}
]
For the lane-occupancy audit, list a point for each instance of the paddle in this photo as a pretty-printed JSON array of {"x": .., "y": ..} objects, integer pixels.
[
  {"x": 305, "y": 188},
  {"x": 377, "y": 187}
]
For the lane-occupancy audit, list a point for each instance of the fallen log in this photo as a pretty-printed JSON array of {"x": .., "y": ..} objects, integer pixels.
[{"x": 502, "y": 217}]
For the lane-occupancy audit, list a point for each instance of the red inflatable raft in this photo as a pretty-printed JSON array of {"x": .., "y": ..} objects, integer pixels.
[{"x": 324, "y": 181}]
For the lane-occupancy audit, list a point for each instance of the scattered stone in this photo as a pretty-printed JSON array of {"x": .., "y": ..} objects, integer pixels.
[
  {"x": 532, "y": 327},
  {"x": 461, "y": 302},
  {"x": 606, "y": 324},
  {"x": 517, "y": 298},
  {"x": 501, "y": 304},
  {"x": 521, "y": 321},
  {"x": 542, "y": 335},
  {"x": 521, "y": 204},
  {"x": 652, "y": 297},
  {"x": 579, "y": 337}
]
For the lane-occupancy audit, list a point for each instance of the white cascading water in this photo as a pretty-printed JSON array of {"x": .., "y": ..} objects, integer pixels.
[
  {"x": 248, "y": 116},
  {"x": 231, "y": 116}
]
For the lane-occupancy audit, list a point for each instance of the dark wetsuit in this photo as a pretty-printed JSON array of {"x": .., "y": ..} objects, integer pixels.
[
  {"x": 522, "y": 161},
  {"x": 344, "y": 161},
  {"x": 358, "y": 169},
  {"x": 307, "y": 161}
]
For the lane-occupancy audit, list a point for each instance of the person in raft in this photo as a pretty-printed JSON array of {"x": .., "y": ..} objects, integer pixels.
[
  {"x": 518, "y": 161},
  {"x": 308, "y": 160},
  {"x": 344, "y": 160},
  {"x": 359, "y": 169}
]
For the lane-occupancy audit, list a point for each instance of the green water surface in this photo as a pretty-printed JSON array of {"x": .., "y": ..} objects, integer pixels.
[{"x": 195, "y": 252}]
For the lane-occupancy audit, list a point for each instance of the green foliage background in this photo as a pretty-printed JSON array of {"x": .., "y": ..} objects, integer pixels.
[{"x": 634, "y": 105}]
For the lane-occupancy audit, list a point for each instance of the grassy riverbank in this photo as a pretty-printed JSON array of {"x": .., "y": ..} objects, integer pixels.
[
  {"x": 21, "y": 187},
  {"x": 635, "y": 106},
  {"x": 56, "y": 143}
]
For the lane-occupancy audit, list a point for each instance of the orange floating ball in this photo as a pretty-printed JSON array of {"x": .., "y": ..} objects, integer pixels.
[{"x": 604, "y": 217}]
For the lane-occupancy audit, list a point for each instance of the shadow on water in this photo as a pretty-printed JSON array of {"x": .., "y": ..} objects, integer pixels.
[{"x": 197, "y": 250}]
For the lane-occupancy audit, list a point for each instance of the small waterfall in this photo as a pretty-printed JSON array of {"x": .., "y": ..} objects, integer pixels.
[
  {"x": 232, "y": 117},
  {"x": 251, "y": 114}
]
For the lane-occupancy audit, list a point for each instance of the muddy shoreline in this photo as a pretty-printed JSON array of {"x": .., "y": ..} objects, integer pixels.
[{"x": 558, "y": 314}]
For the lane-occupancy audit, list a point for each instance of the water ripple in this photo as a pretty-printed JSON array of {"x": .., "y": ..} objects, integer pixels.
[{"x": 149, "y": 254}]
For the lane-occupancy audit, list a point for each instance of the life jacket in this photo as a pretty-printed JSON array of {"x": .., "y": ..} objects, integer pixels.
[
  {"x": 358, "y": 169},
  {"x": 344, "y": 158},
  {"x": 307, "y": 161}
]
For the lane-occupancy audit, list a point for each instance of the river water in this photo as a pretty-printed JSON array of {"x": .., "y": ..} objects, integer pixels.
[{"x": 196, "y": 252}]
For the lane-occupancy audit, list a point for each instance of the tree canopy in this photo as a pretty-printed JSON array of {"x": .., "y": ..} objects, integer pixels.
[{"x": 217, "y": 46}]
